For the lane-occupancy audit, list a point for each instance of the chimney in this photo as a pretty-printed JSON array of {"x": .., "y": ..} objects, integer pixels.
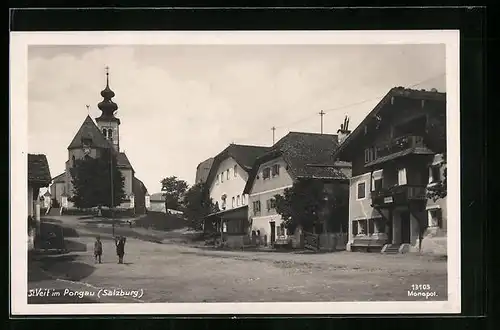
[{"x": 344, "y": 131}]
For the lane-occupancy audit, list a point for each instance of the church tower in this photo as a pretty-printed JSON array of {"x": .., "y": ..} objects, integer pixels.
[{"x": 108, "y": 124}]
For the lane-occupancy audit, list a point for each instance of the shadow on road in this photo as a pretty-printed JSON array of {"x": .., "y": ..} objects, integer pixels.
[{"x": 65, "y": 267}]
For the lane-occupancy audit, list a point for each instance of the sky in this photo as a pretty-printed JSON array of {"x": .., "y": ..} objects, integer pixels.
[{"x": 181, "y": 104}]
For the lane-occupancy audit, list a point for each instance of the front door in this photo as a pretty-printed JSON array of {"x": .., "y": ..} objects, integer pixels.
[
  {"x": 273, "y": 232},
  {"x": 405, "y": 227},
  {"x": 390, "y": 227}
]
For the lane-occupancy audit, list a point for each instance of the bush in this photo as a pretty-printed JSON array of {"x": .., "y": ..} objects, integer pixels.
[{"x": 118, "y": 213}]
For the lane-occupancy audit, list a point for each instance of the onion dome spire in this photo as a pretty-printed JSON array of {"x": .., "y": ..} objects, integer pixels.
[{"x": 107, "y": 106}]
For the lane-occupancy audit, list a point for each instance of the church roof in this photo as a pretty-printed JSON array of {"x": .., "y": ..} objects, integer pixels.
[
  {"x": 60, "y": 178},
  {"x": 89, "y": 130},
  {"x": 38, "y": 170},
  {"x": 123, "y": 161}
]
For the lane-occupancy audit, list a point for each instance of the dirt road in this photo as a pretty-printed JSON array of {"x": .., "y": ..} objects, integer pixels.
[{"x": 179, "y": 273}]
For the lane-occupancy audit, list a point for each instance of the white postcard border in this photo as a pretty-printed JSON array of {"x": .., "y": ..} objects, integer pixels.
[{"x": 19, "y": 147}]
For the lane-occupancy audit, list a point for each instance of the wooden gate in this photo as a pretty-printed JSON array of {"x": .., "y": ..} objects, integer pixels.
[{"x": 311, "y": 241}]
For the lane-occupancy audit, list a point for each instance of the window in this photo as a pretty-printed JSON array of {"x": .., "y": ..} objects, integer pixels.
[
  {"x": 105, "y": 132},
  {"x": 379, "y": 225},
  {"x": 227, "y": 174},
  {"x": 362, "y": 227},
  {"x": 110, "y": 133},
  {"x": 377, "y": 184},
  {"x": 434, "y": 174},
  {"x": 266, "y": 173},
  {"x": 242, "y": 199},
  {"x": 256, "y": 207},
  {"x": 223, "y": 199},
  {"x": 281, "y": 230},
  {"x": 369, "y": 155},
  {"x": 235, "y": 170},
  {"x": 238, "y": 200},
  {"x": 371, "y": 226},
  {"x": 73, "y": 161},
  {"x": 271, "y": 204},
  {"x": 435, "y": 218},
  {"x": 222, "y": 177},
  {"x": 276, "y": 170},
  {"x": 402, "y": 176},
  {"x": 217, "y": 179},
  {"x": 355, "y": 228},
  {"x": 232, "y": 203},
  {"x": 361, "y": 190}
]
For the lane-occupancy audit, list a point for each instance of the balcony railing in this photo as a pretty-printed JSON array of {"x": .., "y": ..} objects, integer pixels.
[
  {"x": 399, "y": 144},
  {"x": 398, "y": 195}
]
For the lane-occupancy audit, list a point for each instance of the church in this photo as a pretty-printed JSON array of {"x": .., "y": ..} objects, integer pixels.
[{"x": 92, "y": 139}]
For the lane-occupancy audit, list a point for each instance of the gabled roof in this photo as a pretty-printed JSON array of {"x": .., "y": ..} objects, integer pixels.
[
  {"x": 122, "y": 161},
  {"x": 89, "y": 130},
  {"x": 157, "y": 197},
  {"x": 394, "y": 92},
  {"x": 61, "y": 178},
  {"x": 307, "y": 155},
  {"x": 138, "y": 184},
  {"x": 203, "y": 169},
  {"x": 244, "y": 155},
  {"x": 38, "y": 170}
]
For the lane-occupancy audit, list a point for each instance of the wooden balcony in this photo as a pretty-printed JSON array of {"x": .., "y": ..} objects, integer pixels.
[
  {"x": 398, "y": 195},
  {"x": 399, "y": 144}
]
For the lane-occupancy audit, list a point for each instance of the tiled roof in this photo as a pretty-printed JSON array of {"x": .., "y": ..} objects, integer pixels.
[
  {"x": 157, "y": 197},
  {"x": 89, "y": 130},
  {"x": 61, "y": 178},
  {"x": 308, "y": 155},
  {"x": 122, "y": 161},
  {"x": 244, "y": 155},
  {"x": 203, "y": 169},
  {"x": 38, "y": 170},
  {"x": 138, "y": 184},
  {"x": 394, "y": 92}
]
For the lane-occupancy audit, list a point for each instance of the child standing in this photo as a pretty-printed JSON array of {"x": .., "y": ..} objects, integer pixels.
[
  {"x": 97, "y": 249},
  {"x": 120, "y": 248}
]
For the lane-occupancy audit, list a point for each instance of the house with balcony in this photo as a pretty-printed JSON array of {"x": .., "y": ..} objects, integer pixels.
[
  {"x": 297, "y": 156},
  {"x": 226, "y": 181},
  {"x": 395, "y": 152}
]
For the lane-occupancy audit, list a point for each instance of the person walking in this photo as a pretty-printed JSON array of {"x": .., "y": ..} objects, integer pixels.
[
  {"x": 97, "y": 249},
  {"x": 120, "y": 248}
]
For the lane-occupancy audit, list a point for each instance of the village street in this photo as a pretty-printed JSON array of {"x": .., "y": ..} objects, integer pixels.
[{"x": 179, "y": 272}]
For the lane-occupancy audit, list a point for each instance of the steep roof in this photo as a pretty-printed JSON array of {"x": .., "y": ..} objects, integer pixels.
[
  {"x": 394, "y": 92},
  {"x": 138, "y": 184},
  {"x": 244, "y": 155},
  {"x": 122, "y": 161},
  {"x": 89, "y": 130},
  {"x": 38, "y": 170},
  {"x": 203, "y": 169},
  {"x": 61, "y": 178},
  {"x": 307, "y": 155}
]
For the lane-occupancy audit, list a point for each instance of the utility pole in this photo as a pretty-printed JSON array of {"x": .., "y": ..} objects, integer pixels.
[
  {"x": 274, "y": 130},
  {"x": 111, "y": 180},
  {"x": 321, "y": 113}
]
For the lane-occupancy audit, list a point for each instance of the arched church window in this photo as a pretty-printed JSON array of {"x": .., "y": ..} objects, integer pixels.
[
  {"x": 104, "y": 132},
  {"x": 73, "y": 160},
  {"x": 110, "y": 133}
]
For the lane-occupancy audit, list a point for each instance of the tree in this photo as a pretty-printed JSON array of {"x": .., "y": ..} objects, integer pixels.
[
  {"x": 197, "y": 205},
  {"x": 301, "y": 204},
  {"x": 173, "y": 189},
  {"x": 91, "y": 180}
]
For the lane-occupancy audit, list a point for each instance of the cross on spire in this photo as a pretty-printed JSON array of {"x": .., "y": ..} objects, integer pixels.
[
  {"x": 274, "y": 130},
  {"x": 322, "y": 113}
]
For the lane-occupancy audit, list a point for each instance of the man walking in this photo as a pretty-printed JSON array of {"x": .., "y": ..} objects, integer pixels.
[
  {"x": 97, "y": 249},
  {"x": 120, "y": 248}
]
